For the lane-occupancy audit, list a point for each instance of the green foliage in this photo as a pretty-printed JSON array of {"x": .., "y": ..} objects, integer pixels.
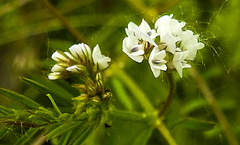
[{"x": 37, "y": 108}]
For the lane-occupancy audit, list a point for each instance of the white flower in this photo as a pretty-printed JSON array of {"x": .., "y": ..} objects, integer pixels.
[
  {"x": 169, "y": 42},
  {"x": 179, "y": 61},
  {"x": 191, "y": 44},
  {"x": 59, "y": 56},
  {"x": 157, "y": 62},
  {"x": 139, "y": 38},
  {"x": 81, "y": 52},
  {"x": 134, "y": 50},
  {"x": 100, "y": 60},
  {"x": 166, "y": 24},
  {"x": 145, "y": 28}
]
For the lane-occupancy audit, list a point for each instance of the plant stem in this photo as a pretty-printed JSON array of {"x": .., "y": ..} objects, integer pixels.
[
  {"x": 65, "y": 23},
  {"x": 215, "y": 107},
  {"x": 165, "y": 132},
  {"x": 172, "y": 89}
]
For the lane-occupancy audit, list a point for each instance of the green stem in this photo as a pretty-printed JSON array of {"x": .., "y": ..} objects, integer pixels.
[
  {"x": 165, "y": 132},
  {"x": 64, "y": 22},
  {"x": 214, "y": 105},
  {"x": 172, "y": 89}
]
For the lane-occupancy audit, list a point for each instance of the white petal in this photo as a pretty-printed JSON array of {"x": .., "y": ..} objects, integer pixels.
[
  {"x": 58, "y": 68},
  {"x": 54, "y": 76},
  {"x": 58, "y": 56},
  {"x": 100, "y": 60},
  {"x": 73, "y": 69},
  {"x": 138, "y": 59},
  {"x": 170, "y": 41},
  {"x": 144, "y": 26},
  {"x": 156, "y": 72},
  {"x": 76, "y": 51}
]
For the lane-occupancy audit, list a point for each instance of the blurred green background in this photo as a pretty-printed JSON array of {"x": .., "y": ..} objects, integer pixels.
[{"x": 30, "y": 33}]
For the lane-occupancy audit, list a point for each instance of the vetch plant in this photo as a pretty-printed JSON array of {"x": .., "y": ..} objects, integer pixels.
[
  {"x": 167, "y": 47},
  {"x": 83, "y": 108}
]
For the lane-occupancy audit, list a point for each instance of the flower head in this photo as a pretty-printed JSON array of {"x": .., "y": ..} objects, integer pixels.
[
  {"x": 174, "y": 48},
  {"x": 80, "y": 60},
  {"x": 157, "y": 62}
]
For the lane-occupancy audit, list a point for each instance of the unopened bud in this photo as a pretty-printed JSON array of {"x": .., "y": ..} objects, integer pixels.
[
  {"x": 107, "y": 95},
  {"x": 96, "y": 99},
  {"x": 99, "y": 83},
  {"x": 91, "y": 90},
  {"x": 78, "y": 69},
  {"x": 82, "y": 97},
  {"x": 80, "y": 87},
  {"x": 57, "y": 75}
]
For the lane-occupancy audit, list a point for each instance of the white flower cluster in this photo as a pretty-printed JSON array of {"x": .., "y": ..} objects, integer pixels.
[
  {"x": 80, "y": 60},
  {"x": 169, "y": 46}
]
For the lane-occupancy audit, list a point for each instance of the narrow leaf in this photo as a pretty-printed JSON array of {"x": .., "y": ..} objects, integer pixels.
[
  {"x": 143, "y": 137},
  {"x": 3, "y": 131},
  {"x": 65, "y": 138},
  {"x": 122, "y": 95},
  {"x": 46, "y": 87},
  {"x": 63, "y": 128},
  {"x": 54, "y": 104},
  {"x": 4, "y": 110},
  {"x": 27, "y": 136},
  {"x": 23, "y": 99},
  {"x": 83, "y": 136}
]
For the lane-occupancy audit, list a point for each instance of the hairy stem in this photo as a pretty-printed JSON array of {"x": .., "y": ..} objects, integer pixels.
[
  {"x": 214, "y": 105},
  {"x": 172, "y": 88},
  {"x": 64, "y": 22}
]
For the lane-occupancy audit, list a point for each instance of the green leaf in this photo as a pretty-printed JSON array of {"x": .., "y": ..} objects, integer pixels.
[
  {"x": 47, "y": 87},
  {"x": 121, "y": 94},
  {"x": 84, "y": 135},
  {"x": 190, "y": 123},
  {"x": 130, "y": 116},
  {"x": 27, "y": 136},
  {"x": 77, "y": 132},
  {"x": 5, "y": 110},
  {"x": 63, "y": 128},
  {"x": 194, "y": 124},
  {"x": 18, "y": 97},
  {"x": 64, "y": 138},
  {"x": 3, "y": 131},
  {"x": 127, "y": 128}
]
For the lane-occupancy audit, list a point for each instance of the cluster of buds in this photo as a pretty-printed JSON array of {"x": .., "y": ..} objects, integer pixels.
[
  {"x": 86, "y": 64},
  {"x": 167, "y": 47}
]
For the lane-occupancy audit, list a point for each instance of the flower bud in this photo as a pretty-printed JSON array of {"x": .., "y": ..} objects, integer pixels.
[
  {"x": 96, "y": 99},
  {"x": 107, "y": 95},
  {"x": 82, "y": 97},
  {"x": 78, "y": 69}
]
